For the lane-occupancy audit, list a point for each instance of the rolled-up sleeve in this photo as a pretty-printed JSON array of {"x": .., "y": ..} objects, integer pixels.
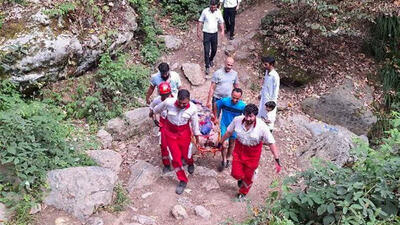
[
  {"x": 195, "y": 123},
  {"x": 231, "y": 126},
  {"x": 159, "y": 108},
  {"x": 267, "y": 136}
]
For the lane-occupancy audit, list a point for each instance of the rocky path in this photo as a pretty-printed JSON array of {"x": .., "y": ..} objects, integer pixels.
[{"x": 209, "y": 197}]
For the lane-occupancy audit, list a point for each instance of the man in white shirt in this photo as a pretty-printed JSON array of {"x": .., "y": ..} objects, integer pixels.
[
  {"x": 251, "y": 133},
  {"x": 164, "y": 90},
  {"x": 178, "y": 133},
  {"x": 270, "y": 88},
  {"x": 164, "y": 74},
  {"x": 230, "y": 9},
  {"x": 209, "y": 20}
]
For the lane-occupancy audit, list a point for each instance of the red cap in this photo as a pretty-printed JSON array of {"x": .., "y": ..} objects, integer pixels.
[{"x": 164, "y": 88}]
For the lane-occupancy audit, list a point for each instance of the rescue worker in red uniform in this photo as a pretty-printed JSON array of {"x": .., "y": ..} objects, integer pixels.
[
  {"x": 178, "y": 133},
  {"x": 251, "y": 133},
  {"x": 164, "y": 89}
]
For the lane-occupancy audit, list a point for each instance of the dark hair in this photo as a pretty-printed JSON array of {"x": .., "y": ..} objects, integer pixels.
[
  {"x": 251, "y": 109},
  {"x": 163, "y": 68},
  {"x": 214, "y": 2},
  {"x": 238, "y": 90},
  {"x": 270, "y": 104},
  {"x": 183, "y": 94},
  {"x": 268, "y": 59}
]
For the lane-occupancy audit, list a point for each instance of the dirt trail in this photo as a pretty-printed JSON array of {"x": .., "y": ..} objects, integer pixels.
[{"x": 219, "y": 202}]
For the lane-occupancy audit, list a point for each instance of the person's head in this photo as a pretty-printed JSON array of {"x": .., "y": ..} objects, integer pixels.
[
  {"x": 269, "y": 62},
  {"x": 269, "y": 106},
  {"x": 214, "y": 5},
  {"x": 229, "y": 64},
  {"x": 164, "y": 89},
  {"x": 164, "y": 70},
  {"x": 236, "y": 95},
  {"x": 250, "y": 113},
  {"x": 183, "y": 98}
]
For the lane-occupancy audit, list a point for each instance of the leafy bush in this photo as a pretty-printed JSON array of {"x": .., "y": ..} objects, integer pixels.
[
  {"x": 152, "y": 47},
  {"x": 61, "y": 9},
  {"x": 183, "y": 11},
  {"x": 390, "y": 75},
  {"x": 367, "y": 193}
]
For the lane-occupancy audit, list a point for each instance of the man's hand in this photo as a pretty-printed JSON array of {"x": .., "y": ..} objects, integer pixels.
[
  {"x": 278, "y": 167},
  {"x": 222, "y": 33},
  {"x": 151, "y": 114},
  {"x": 199, "y": 35},
  {"x": 208, "y": 105},
  {"x": 197, "y": 139},
  {"x": 148, "y": 101}
]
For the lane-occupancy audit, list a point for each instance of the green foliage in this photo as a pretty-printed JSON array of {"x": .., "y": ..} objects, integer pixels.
[
  {"x": 367, "y": 193},
  {"x": 1, "y": 20},
  {"x": 152, "y": 47},
  {"x": 390, "y": 75},
  {"x": 61, "y": 9},
  {"x": 121, "y": 199},
  {"x": 34, "y": 138},
  {"x": 182, "y": 11}
]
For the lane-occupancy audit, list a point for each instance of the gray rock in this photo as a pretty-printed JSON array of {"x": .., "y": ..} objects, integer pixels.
[
  {"x": 204, "y": 171},
  {"x": 107, "y": 159},
  {"x": 4, "y": 214},
  {"x": 41, "y": 18},
  {"x": 137, "y": 116},
  {"x": 333, "y": 144},
  {"x": 172, "y": 42},
  {"x": 94, "y": 221},
  {"x": 341, "y": 107},
  {"x": 78, "y": 190},
  {"x": 202, "y": 212},
  {"x": 283, "y": 105},
  {"x": 193, "y": 73},
  {"x": 210, "y": 184},
  {"x": 142, "y": 174},
  {"x": 179, "y": 212},
  {"x": 243, "y": 55},
  {"x": 117, "y": 128},
  {"x": 130, "y": 18},
  {"x": 105, "y": 138},
  {"x": 35, "y": 208},
  {"x": 144, "y": 220}
]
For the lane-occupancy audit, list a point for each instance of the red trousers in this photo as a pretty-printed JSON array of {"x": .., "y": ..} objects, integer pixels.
[
  {"x": 178, "y": 141},
  {"x": 163, "y": 143},
  {"x": 245, "y": 162}
]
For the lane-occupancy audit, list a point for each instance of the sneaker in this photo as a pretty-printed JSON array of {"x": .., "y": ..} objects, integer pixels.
[
  {"x": 211, "y": 63},
  {"x": 166, "y": 169},
  {"x": 240, "y": 196},
  {"x": 191, "y": 169},
  {"x": 222, "y": 166},
  {"x": 240, "y": 183},
  {"x": 207, "y": 71},
  {"x": 181, "y": 187},
  {"x": 227, "y": 164}
]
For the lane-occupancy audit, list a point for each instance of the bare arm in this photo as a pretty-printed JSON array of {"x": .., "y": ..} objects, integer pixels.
[
  {"x": 226, "y": 136},
  {"x": 149, "y": 92},
  {"x": 210, "y": 94},
  {"x": 274, "y": 150},
  {"x": 221, "y": 26},
  {"x": 199, "y": 27},
  {"x": 215, "y": 110}
]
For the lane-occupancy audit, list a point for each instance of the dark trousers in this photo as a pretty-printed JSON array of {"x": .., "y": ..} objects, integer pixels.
[
  {"x": 229, "y": 18},
  {"x": 210, "y": 40}
]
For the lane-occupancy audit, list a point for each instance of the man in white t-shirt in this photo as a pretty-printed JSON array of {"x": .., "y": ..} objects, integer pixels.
[
  {"x": 164, "y": 74},
  {"x": 209, "y": 21},
  {"x": 230, "y": 9},
  {"x": 251, "y": 134}
]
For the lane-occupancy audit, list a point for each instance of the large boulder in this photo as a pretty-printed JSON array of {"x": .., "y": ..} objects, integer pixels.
[
  {"x": 172, "y": 42},
  {"x": 105, "y": 138},
  {"x": 138, "y": 121},
  {"x": 36, "y": 48},
  {"x": 117, "y": 128},
  {"x": 193, "y": 73},
  {"x": 107, "y": 159},
  {"x": 331, "y": 143},
  {"x": 79, "y": 190},
  {"x": 142, "y": 174},
  {"x": 341, "y": 107}
]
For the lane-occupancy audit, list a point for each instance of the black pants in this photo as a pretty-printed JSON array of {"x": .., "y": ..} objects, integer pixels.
[
  {"x": 229, "y": 18},
  {"x": 210, "y": 40}
]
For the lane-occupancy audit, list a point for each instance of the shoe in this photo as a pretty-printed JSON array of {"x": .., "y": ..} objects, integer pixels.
[
  {"x": 211, "y": 63},
  {"x": 181, "y": 187},
  {"x": 240, "y": 196},
  {"x": 191, "y": 169},
  {"x": 222, "y": 166},
  {"x": 166, "y": 169},
  {"x": 207, "y": 71},
  {"x": 227, "y": 164},
  {"x": 231, "y": 38},
  {"x": 240, "y": 183}
]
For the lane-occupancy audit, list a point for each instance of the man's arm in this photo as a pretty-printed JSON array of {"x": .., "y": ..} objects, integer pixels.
[
  {"x": 199, "y": 28},
  {"x": 195, "y": 126},
  {"x": 149, "y": 92},
  {"x": 210, "y": 94},
  {"x": 160, "y": 107},
  {"x": 274, "y": 150},
  {"x": 221, "y": 27},
  {"x": 238, "y": 4},
  {"x": 276, "y": 89}
]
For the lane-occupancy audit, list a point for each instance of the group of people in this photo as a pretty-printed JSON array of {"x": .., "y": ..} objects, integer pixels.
[{"x": 245, "y": 127}]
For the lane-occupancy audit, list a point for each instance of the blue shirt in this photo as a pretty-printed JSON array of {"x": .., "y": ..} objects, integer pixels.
[{"x": 229, "y": 110}]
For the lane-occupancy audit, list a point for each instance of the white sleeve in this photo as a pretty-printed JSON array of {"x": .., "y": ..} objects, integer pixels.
[
  {"x": 276, "y": 88},
  {"x": 202, "y": 16},
  {"x": 267, "y": 136},
  {"x": 155, "y": 102},
  {"x": 220, "y": 17},
  {"x": 195, "y": 123},
  {"x": 160, "y": 107},
  {"x": 272, "y": 115},
  {"x": 232, "y": 125}
]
